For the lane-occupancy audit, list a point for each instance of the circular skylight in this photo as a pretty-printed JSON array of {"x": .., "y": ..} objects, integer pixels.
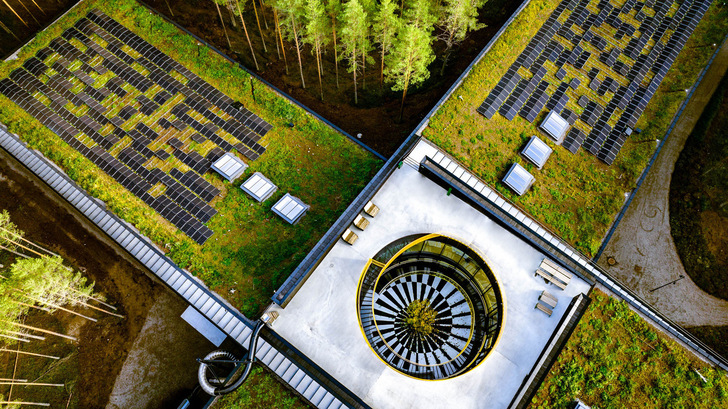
[{"x": 430, "y": 307}]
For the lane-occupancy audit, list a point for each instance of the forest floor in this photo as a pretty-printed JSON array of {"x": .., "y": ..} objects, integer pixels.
[
  {"x": 89, "y": 367},
  {"x": 376, "y": 116},
  {"x": 33, "y": 20}
]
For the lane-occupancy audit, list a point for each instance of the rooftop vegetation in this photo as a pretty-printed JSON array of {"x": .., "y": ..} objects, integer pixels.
[
  {"x": 615, "y": 359},
  {"x": 261, "y": 391},
  {"x": 252, "y": 250},
  {"x": 576, "y": 196}
]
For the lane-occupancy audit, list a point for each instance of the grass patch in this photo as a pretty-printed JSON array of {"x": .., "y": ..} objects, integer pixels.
[
  {"x": 252, "y": 251},
  {"x": 577, "y": 196},
  {"x": 261, "y": 390},
  {"x": 698, "y": 198},
  {"x": 615, "y": 359}
]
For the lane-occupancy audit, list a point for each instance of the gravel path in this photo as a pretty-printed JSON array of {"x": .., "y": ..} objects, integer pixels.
[{"x": 642, "y": 244}]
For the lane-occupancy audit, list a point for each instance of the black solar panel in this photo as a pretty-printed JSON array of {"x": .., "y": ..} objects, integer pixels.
[{"x": 573, "y": 140}]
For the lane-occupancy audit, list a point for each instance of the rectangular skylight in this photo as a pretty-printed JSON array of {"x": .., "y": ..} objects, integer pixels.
[
  {"x": 290, "y": 208},
  {"x": 518, "y": 179},
  {"x": 555, "y": 126},
  {"x": 229, "y": 166},
  {"x": 537, "y": 151},
  {"x": 259, "y": 187}
]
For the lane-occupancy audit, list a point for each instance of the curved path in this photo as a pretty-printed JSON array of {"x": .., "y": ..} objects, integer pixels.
[{"x": 642, "y": 244}]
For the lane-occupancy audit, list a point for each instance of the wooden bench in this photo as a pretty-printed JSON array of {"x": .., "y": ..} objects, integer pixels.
[
  {"x": 361, "y": 222},
  {"x": 349, "y": 236},
  {"x": 553, "y": 274},
  {"x": 371, "y": 209},
  {"x": 544, "y": 308},
  {"x": 548, "y": 299}
]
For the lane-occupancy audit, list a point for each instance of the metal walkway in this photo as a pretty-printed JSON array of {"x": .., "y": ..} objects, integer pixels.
[{"x": 228, "y": 319}]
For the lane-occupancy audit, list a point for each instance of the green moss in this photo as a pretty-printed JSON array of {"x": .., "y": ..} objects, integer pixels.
[
  {"x": 615, "y": 359},
  {"x": 261, "y": 390}
]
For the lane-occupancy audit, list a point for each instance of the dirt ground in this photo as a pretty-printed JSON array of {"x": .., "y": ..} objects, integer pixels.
[
  {"x": 376, "y": 116},
  {"x": 33, "y": 17},
  {"x": 105, "y": 346},
  {"x": 643, "y": 245},
  {"x": 160, "y": 369}
]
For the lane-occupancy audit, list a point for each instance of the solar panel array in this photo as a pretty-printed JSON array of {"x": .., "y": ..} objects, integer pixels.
[
  {"x": 622, "y": 49},
  {"x": 133, "y": 111}
]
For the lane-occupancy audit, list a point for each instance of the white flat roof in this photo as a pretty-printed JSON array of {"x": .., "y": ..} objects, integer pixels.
[
  {"x": 537, "y": 151},
  {"x": 321, "y": 319},
  {"x": 555, "y": 126},
  {"x": 259, "y": 187},
  {"x": 290, "y": 208},
  {"x": 518, "y": 179},
  {"x": 229, "y": 166}
]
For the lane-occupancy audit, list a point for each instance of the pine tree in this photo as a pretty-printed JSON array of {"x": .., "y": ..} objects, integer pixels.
[
  {"x": 316, "y": 35},
  {"x": 257, "y": 20},
  {"x": 408, "y": 62},
  {"x": 29, "y": 12},
  {"x": 9, "y": 232},
  {"x": 16, "y": 14},
  {"x": 294, "y": 11},
  {"x": 386, "y": 24},
  {"x": 420, "y": 14},
  {"x": 459, "y": 18},
  {"x": 8, "y": 30},
  {"x": 355, "y": 27},
  {"x": 279, "y": 40},
  {"x": 333, "y": 9},
  {"x": 48, "y": 281},
  {"x": 240, "y": 6},
  {"x": 365, "y": 44},
  {"x": 219, "y": 13}
]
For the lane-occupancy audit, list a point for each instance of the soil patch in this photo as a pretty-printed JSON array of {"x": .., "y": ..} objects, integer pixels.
[
  {"x": 93, "y": 363},
  {"x": 699, "y": 198},
  {"x": 35, "y": 20},
  {"x": 376, "y": 116}
]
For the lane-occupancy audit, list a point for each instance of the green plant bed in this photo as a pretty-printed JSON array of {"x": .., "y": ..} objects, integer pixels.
[
  {"x": 575, "y": 195},
  {"x": 261, "y": 390},
  {"x": 698, "y": 197},
  {"x": 615, "y": 359},
  {"x": 252, "y": 250}
]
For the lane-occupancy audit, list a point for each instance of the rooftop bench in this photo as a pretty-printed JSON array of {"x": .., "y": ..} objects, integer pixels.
[
  {"x": 371, "y": 209},
  {"x": 552, "y": 273},
  {"x": 546, "y": 303},
  {"x": 349, "y": 236},
  {"x": 361, "y": 222}
]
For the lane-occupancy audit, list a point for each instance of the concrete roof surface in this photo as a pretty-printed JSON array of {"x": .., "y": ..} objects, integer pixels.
[{"x": 321, "y": 319}]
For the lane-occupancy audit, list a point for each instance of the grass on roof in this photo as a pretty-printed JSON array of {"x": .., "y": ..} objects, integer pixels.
[
  {"x": 577, "y": 196},
  {"x": 261, "y": 390},
  {"x": 615, "y": 359},
  {"x": 252, "y": 250}
]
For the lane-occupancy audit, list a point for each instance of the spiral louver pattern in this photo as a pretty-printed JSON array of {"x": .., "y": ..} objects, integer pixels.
[{"x": 432, "y": 310}]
